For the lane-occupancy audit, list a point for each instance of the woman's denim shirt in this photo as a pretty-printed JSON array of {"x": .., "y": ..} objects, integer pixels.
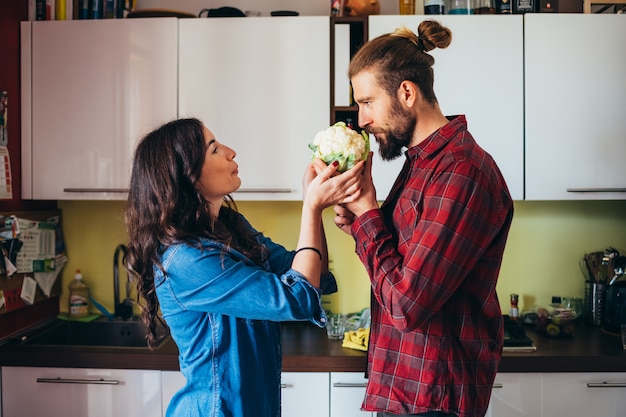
[{"x": 223, "y": 312}]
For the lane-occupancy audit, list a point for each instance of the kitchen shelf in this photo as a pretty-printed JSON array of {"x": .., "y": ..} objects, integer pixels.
[
  {"x": 358, "y": 36},
  {"x": 587, "y": 4}
]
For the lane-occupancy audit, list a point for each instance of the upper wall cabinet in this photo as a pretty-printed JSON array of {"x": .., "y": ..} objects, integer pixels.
[
  {"x": 262, "y": 86},
  {"x": 480, "y": 75},
  {"x": 90, "y": 90},
  {"x": 575, "y": 101}
]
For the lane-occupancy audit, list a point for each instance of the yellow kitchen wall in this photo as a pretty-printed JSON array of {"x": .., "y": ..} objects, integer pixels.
[{"x": 547, "y": 240}]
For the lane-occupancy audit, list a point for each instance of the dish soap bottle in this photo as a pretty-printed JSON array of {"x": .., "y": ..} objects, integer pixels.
[
  {"x": 514, "y": 311},
  {"x": 79, "y": 297}
]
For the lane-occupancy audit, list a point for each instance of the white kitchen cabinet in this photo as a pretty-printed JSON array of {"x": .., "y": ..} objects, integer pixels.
[
  {"x": 262, "y": 86},
  {"x": 305, "y": 394},
  {"x": 67, "y": 392},
  {"x": 516, "y": 395},
  {"x": 480, "y": 75},
  {"x": 584, "y": 394},
  {"x": 347, "y": 390},
  {"x": 575, "y": 101},
  {"x": 90, "y": 90}
]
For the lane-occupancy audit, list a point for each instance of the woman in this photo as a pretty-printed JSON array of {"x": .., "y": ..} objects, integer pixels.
[{"x": 222, "y": 287}]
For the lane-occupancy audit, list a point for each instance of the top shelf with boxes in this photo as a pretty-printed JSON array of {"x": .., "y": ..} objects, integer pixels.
[{"x": 347, "y": 35}]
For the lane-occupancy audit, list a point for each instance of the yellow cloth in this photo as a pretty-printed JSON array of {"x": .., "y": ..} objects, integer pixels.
[{"x": 357, "y": 339}]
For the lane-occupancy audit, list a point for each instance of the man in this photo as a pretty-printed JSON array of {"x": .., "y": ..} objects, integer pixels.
[{"x": 433, "y": 250}]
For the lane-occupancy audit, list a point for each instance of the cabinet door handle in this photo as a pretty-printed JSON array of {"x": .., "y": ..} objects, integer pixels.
[
  {"x": 59, "y": 380},
  {"x": 264, "y": 190},
  {"x": 95, "y": 190},
  {"x": 497, "y": 385},
  {"x": 349, "y": 385},
  {"x": 286, "y": 385},
  {"x": 596, "y": 190},
  {"x": 606, "y": 384}
]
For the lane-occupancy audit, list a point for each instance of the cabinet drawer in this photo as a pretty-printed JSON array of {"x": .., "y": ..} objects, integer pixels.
[
  {"x": 347, "y": 390},
  {"x": 304, "y": 394},
  {"x": 42, "y": 392}
]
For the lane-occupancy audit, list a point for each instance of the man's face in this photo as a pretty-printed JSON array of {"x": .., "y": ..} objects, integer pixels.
[{"x": 383, "y": 116}]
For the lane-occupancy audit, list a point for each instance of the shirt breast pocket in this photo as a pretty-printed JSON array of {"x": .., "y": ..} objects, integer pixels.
[{"x": 407, "y": 214}]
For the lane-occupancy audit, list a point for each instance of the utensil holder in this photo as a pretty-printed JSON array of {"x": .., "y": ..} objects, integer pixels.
[{"x": 595, "y": 295}]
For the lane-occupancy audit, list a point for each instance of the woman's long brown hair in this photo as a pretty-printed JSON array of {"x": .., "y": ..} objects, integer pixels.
[{"x": 164, "y": 207}]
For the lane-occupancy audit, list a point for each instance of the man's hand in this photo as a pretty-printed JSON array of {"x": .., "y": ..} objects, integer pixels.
[
  {"x": 343, "y": 218},
  {"x": 354, "y": 206}
]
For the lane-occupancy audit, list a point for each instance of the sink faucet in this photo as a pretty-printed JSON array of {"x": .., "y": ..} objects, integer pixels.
[{"x": 123, "y": 309}]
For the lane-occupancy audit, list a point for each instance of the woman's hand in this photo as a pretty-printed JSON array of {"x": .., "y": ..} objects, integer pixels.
[
  {"x": 323, "y": 187},
  {"x": 351, "y": 208}
]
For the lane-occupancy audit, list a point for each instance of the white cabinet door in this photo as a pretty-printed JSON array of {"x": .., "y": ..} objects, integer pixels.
[
  {"x": 262, "y": 86},
  {"x": 575, "y": 101},
  {"x": 347, "y": 390},
  {"x": 53, "y": 392},
  {"x": 584, "y": 394},
  {"x": 171, "y": 382},
  {"x": 480, "y": 75},
  {"x": 516, "y": 395},
  {"x": 90, "y": 90},
  {"x": 305, "y": 394}
]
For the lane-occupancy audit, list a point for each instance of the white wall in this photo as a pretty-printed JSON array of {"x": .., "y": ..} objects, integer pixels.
[{"x": 304, "y": 7}]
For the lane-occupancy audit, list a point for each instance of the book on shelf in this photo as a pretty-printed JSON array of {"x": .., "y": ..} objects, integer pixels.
[
  {"x": 85, "y": 9},
  {"x": 50, "y": 9},
  {"x": 64, "y": 9}
]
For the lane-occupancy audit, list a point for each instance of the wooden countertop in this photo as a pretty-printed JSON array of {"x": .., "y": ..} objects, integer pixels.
[{"x": 307, "y": 349}]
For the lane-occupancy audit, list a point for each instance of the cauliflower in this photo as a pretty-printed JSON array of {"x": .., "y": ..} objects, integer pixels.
[{"x": 342, "y": 144}]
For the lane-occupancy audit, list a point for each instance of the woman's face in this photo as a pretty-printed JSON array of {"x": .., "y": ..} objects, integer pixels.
[{"x": 220, "y": 175}]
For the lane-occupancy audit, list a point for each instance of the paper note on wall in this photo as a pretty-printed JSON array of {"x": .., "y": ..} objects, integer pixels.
[
  {"x": 46, "y": 280},
  {"x": 37, "y": 253}
]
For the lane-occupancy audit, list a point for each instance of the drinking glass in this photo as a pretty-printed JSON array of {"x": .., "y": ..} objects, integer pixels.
[{"x": 336, "y": 326}]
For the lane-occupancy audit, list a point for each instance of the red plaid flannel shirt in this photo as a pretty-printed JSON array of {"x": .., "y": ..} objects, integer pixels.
[{"x": 433, "y": 253}]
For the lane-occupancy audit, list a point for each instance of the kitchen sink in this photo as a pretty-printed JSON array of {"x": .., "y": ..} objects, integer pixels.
[{"x": 100, "y": 332}]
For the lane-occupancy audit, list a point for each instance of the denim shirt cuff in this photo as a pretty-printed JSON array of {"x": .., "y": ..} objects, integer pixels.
[{"x": 319, "y": 315}]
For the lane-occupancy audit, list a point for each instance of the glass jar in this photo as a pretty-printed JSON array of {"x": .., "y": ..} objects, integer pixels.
[
  {"x": 460, "y": 6},
  {"x": 434, "y": 7},
  {"x": 407, "y": 6},
  {"x": 576, "y": 304},
  {"x": 485, "y": 7}
]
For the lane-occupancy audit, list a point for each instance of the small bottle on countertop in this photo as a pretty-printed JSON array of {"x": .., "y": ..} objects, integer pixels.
[
  {"x": 485, "y": 7},
  {"x": 504, "y": 7},
  {"x": 78, "y": 301},
  {"x": 514, "y": 311},
  {"x": 525, "y": 6},
  {"x": 434, "y": 7},
  {"x": 460, "y": 7}
]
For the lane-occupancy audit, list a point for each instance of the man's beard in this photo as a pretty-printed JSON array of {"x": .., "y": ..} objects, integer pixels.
[{"x": 397, "y": 137}]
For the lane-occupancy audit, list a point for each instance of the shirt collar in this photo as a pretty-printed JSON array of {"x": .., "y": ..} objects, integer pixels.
[{"x": 438, "y": 139}]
